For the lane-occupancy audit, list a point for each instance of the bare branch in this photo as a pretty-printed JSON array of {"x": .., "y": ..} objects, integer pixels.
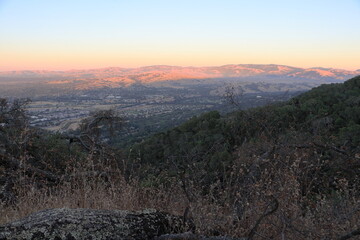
[
  {"x": 351, "y": 234},
  {"x": 275, "y": 205}
]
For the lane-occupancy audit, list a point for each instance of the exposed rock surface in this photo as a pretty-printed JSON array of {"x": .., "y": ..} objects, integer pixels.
[
  {"x": 191, "y": 236},
  {"x": 72, "y": 224}
]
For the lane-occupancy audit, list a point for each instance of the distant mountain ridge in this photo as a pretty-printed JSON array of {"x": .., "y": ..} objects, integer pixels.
[{"x": 119, "y": 77}]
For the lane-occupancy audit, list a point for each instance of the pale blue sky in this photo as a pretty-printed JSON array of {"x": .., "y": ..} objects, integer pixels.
[{"x": 63, "y": 34}]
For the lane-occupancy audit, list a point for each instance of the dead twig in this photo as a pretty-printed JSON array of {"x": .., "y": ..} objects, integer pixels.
[
  {"x": 351, "y": 234},
  {"x": 275, "y": 205}
]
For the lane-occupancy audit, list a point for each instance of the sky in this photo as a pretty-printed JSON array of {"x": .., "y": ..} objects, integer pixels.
[{"x": 80, "y": 34}]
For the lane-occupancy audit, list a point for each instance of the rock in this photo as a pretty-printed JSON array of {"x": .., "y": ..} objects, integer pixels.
[
  {"x": 72, "y": 224},
  {"x": 191, "y": 236}
]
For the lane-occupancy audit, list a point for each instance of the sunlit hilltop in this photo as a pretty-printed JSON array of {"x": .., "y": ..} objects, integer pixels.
[{"x": 117, "y": 77}]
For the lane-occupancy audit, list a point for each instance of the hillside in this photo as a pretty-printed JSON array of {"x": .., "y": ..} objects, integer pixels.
[
  {"x": 329, "y": 113},
  {"x": 290, "y": 169},
  {"x": 297, "y": 152}
]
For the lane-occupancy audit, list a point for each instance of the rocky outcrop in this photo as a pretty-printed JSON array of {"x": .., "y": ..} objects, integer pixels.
[
  {"x": 191, "y": 236},
  {"x": 72, "y": 224}
]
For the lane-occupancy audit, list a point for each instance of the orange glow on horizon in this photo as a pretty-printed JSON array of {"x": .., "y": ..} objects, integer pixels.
[
  {"x": 62, "y": 63},
  {"x": 50, "y": 58}
]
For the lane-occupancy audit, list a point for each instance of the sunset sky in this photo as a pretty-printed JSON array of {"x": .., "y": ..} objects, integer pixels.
[{"x": 76, "y": 34}]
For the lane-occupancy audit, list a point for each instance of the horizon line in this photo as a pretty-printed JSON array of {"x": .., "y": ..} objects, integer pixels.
[{"x": 165, "y": 65}]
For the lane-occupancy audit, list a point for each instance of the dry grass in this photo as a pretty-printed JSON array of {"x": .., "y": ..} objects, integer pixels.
[
  {"x": 327, "y": 219},
  {"x": 232, "y": 211},
  {"x": 91, "y": 192}
]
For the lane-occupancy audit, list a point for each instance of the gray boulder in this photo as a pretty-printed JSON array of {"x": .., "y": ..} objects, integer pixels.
[
  {"x": 191, "y": 236},
  {"x": 71, "y": 224}
]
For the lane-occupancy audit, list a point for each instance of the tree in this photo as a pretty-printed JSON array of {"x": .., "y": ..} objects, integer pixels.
[{"x": 101, "y": 124}]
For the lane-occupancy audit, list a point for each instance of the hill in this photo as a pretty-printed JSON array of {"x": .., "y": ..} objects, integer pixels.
[
  {"x": 329, "y": 113},
  {"x": 123, "y": 77},
  {"x": 296, "y": 152}
]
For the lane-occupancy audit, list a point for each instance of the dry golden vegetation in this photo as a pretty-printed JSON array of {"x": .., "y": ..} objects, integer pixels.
[{"x": 268, "y": 196}]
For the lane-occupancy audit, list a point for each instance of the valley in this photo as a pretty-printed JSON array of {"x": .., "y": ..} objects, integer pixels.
[
  {"x": 145, "y": 110},
  {"x": 155, "y": 98}
]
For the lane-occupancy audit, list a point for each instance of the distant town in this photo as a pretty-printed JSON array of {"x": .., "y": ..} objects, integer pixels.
[{"x": 145, "y": 110}]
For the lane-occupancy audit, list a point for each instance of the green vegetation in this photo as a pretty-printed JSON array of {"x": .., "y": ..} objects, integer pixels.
[{"x": 203, "y": 147}]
